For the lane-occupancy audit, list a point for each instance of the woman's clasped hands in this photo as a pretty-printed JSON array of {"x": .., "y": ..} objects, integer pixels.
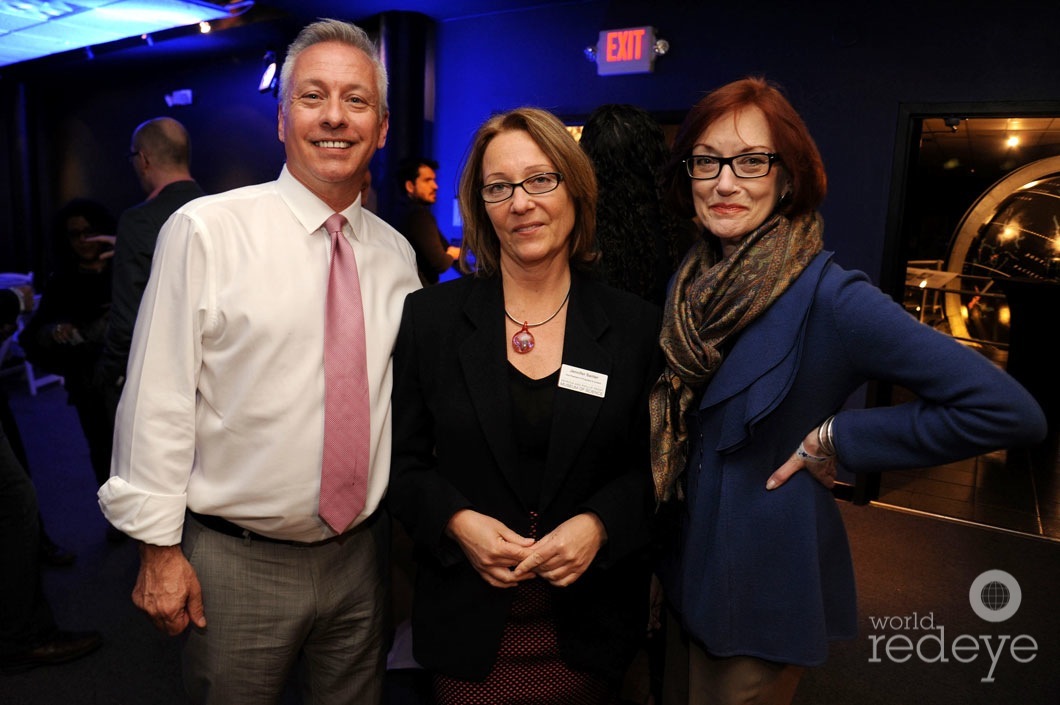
[{"x": 505, "y": 558}]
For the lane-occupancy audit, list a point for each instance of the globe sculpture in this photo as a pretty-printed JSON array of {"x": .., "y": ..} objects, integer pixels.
[{"x": 1011, "y": 231}]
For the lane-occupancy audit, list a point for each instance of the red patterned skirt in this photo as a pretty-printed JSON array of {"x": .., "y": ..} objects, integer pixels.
[{"x": 528, "y": 670}]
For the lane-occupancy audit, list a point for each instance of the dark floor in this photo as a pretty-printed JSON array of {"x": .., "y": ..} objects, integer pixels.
[
  {"x": 137, "y": 665},
  {"x": 1001, "y": 490},
  {"x": 94, "y": 593},
  {"x": 1016, "y": 491}
]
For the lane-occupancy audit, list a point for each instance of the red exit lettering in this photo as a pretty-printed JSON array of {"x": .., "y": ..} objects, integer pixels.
[{"x": 625, "y": 45}]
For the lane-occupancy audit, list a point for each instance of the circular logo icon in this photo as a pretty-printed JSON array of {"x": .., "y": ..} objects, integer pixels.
[{"x": 995, "y": 596}]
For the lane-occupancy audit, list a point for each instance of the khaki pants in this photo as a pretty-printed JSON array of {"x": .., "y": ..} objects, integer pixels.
[{"x": 693, "y": 677}]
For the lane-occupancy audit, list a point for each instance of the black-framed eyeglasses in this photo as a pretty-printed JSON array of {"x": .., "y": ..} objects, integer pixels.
[
  {"x": 534, "y": 185},
  {"x": 752, "y": 165}
]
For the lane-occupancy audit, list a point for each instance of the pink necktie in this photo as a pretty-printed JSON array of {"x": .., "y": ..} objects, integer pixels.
[{"x": 344, "y": 475}]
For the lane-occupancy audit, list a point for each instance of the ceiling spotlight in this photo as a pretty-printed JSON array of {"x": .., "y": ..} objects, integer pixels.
[
  {"x": 268, "y": 81},
  {"x": 183, "y": 96},
  {"x": 661, "y": 47},
  {"x": 204, "y": 28}
]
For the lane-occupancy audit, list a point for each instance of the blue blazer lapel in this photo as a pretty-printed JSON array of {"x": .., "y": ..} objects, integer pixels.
[{"x": 762, "y": 364}]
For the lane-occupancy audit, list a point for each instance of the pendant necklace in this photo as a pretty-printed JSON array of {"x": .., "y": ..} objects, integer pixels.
[{"x": 523, "y": 341}]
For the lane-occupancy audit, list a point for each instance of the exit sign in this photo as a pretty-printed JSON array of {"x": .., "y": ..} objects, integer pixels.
[{"x": 629, "y": 50}]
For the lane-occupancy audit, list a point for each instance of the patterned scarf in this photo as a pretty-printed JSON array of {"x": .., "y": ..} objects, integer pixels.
[{"x": 709, "y": 303}]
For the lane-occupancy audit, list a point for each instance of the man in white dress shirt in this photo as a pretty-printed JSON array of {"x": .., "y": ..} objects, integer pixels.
[{"x": 219, "y": 438}]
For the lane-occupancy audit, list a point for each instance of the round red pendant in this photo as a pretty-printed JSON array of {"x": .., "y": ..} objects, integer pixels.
[{"x": 523, "y": 341}]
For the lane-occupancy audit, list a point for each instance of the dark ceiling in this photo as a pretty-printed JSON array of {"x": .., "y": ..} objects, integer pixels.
[
  {"x": 265, "y": 23},
  {"x": 438, "y": 9},
  {"x": 968, "y": 143},
  {"x": 988, "y": 143}
]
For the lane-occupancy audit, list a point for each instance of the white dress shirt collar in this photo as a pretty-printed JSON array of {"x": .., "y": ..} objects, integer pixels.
[{"x": 309, "y": 210}]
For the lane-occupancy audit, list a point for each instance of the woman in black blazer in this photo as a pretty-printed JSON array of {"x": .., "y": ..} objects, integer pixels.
[{"x": 520, "y": 464}]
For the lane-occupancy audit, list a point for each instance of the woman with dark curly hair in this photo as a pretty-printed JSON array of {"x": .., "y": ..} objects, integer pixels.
[
  {"x": 640, "y": 242},
  {"x": 65, "y": 335}
]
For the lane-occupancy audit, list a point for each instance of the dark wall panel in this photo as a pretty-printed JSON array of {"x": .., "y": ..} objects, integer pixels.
[
  {"x": 79, "y": 119},
  {"x": 848, "y": 73},
  {"x": 846, "y": 68}
]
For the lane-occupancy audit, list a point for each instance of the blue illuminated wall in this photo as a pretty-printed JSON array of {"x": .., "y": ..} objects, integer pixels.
[{"x": 846, "y": 71}]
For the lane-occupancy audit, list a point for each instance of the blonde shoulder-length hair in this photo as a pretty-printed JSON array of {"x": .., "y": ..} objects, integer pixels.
[{"x": 568, "y": 158}]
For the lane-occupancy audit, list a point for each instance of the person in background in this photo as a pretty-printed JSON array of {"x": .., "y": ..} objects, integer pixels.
[
  {"x": 520, "y": 463},
  {"x": 29, "y": 636},
  {"x": 641, "y": 242},
  {"x": 765, "y": 338},
  {"x": 51, "y": 553},
  {"x": 65, "y": 334},
  {"x": 369, "y": 200},
  {"x": 414, "y": 219},
  {"x": 160, "y": 154},
  {"x": 237, "y": 409}
]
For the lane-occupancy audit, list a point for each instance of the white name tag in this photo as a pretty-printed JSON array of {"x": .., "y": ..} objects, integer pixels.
[{"x": 585, "y": 381}]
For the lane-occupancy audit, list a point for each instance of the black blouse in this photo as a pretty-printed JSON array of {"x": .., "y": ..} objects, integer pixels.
[{"x": 532, "y": 419}]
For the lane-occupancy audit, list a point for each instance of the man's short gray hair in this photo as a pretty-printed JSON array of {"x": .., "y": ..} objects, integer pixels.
[{"x": 328, "y": 30}]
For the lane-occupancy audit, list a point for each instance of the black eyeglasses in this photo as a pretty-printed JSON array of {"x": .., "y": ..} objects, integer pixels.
[
  {"x": 752, "y": 165},
  {"x": 534, "y": 185}
]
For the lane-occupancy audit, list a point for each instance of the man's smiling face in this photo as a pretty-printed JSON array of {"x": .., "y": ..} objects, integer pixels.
[{"x": 331, "y": 126}]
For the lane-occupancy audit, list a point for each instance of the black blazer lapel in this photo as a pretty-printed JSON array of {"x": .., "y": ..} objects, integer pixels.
[
  {"x": 484, "y": 362},
  {"x": 574, "y": 413}
]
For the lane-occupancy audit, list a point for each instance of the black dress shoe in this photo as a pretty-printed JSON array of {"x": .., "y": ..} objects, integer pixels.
[
  {"x": 55, "y": 555},
  {"x": 62, "y": 647}
]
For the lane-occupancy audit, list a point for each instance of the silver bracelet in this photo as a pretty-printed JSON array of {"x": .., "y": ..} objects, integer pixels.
[
  {"x": 805, "y": 455},
  {"x": 824, "y": 436}
]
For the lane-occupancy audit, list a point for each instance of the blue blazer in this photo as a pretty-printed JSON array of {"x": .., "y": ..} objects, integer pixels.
[
  {"x": 768, "y": 573},
  {"x": 454, "y": 448}
]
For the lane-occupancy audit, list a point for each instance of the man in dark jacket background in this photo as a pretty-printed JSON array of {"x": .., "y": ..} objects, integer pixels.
[
  {"x": 160, "y": 153},
  {"x": 418, "y": 187}
]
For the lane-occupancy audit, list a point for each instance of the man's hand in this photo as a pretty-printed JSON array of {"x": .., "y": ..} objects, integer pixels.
[
  {"x": 168, "y": 590},
  {"x": 493, "y": 549},
  {"x": 563, "y": 555},
  {"x": 66, "y": 334},
  {"x": 106, "y": 239}
]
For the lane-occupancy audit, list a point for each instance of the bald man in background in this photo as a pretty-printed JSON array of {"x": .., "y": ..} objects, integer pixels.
[{"x": 160, "y": 154}]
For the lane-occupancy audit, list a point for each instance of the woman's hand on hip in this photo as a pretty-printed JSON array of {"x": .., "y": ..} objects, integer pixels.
[{"x": 808, "y": 456}]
